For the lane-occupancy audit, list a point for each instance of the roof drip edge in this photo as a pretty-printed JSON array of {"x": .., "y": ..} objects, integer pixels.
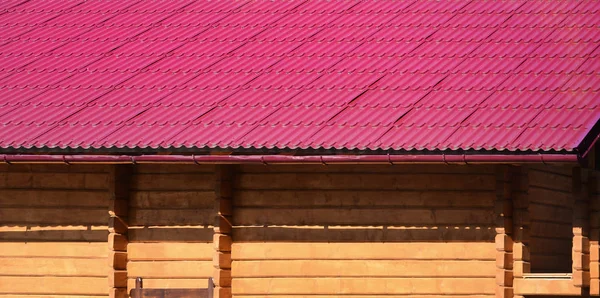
[{"x": 463, "y": 159}]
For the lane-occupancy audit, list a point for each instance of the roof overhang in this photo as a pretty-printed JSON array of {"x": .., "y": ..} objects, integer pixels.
[{"x": 463, "y": 159}]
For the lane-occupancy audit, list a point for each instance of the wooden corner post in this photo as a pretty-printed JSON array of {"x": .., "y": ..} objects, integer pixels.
[
  {"x": 521, "y": 221},
  {"x": 594, "y": 233},
  {"x": 118, "y": 208},
  {"x": 504, "y": 230},
  {"x": 222, "y": 231},
  {"x": 581, "y": 243}
]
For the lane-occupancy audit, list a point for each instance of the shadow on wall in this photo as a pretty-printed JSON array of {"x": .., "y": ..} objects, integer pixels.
[
  {"x": 53, "y": 203},
  {"x": 367, "y": 203},
  {"x": 171, "y": 203},
  {"x": 363, "y": 234}
]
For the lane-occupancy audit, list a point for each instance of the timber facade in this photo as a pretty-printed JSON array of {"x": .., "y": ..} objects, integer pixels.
[{"x": 288, "y": 231}]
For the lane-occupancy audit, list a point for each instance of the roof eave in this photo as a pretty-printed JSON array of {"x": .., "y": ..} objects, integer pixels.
[{"x": 288, "y": 159}]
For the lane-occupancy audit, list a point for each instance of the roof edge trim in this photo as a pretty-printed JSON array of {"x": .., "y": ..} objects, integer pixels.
[{"x": 287, "y": 159}]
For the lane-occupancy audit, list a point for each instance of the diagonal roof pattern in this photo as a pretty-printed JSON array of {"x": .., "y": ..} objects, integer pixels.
[{"x": 286, "y": 74}]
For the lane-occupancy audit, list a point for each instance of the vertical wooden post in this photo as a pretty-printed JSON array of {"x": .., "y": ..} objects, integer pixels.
[
  {"x": 222, "y": 231},
  {"x": 521, "y": 221},
  {"x": 594, "y": 234},
  {"x": 118, "y": 208},
  {"x": 504, "y": 226},
  {"x": 581, "y": 249}
]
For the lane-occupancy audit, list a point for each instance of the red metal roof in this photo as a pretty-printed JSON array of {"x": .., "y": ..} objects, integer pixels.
[{"x": 345, "y": 74}]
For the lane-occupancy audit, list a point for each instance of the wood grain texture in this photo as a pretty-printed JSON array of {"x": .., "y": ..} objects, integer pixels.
[
  {"x": 362, "y": 286},
  {"x": 54, "y": 285},
  {"x": 367, "y": 181},
  {"x": 52, "y": 267},
  {"x": 53, "y": 216},
  {"x": 367, "y": 198},
  {"x": 368, "y": 296},
  {"x": 59, "y": 250},
  {"x": 363, "y": 251},
  {"x": 170, "y": 269},
  {"x": 170, "y": 251},
  {"x": 551, "y": 218},
  {"x": 363, "y": 268},
  {"x": 53, "y": 224}
]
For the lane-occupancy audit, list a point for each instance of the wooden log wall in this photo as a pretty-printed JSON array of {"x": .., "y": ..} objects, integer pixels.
[
  {"x": 222, "y": 240},
  {"x": 294, "y": 231},
  {"x": 171, "y": 217},
  {"x": 580, "y": 249},
  {"x": 521, "y": 221},
  {"x": 504, "y": 232},
  {"x": 594, "y": 192},
  {"x": 118, "y": 213},
  {"x": 364, "y": 231},
  {"x": 53, "y": 231},
  {"x": 551, "y": 215}
]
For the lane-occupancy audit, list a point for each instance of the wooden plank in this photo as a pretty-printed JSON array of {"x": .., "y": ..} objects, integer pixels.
[
  {"x": 165, "y": 283},
  {"x": 66, "y": 234},
  {"x": 172, "y": 217},
  {"x": 362, "y": 286},
  {"x": 549, "y": 230},
  {"x": 52, "y": 198},
  {"x": 52, "y": 296},
  {"x": 357, "y": 199},
  {"x": 565, "y": 170},
  {"x": 57, "y": 216},
  {"x": 363, "y": 251},
  {"x": 541, "y": 286},
  {"x": 118, "y": 260},
  {"x": 551, "y": 246},
  {"x": 550, "y": 197},
  {"x": 54, "y": 285},
  {"x": 171, "y": 181},
  {"x": 117, "y": 242},
  {"x": 365, "y": 182},
  {"x": 382, "y": 216},
  {"x": 174, "y": 168},
  {"x": 171, "y": 234},
  {"x": 363, "y": 268},
  {"x": 60, "y": 180},
  {"x": 550, "y": 180},
  {"x": 365, "y": 296},
  {"x": 170, "y": 251},
  {"x": 396, "y": 169},
  {"x": 52, "y": 267},
  {"x": 172, "y": 199},
  {"x": 390, "y": 233},
  {"x": 550, "y": 213},
  {"x": 170, "y": 269},
  {"x": 53, "y": 249}
]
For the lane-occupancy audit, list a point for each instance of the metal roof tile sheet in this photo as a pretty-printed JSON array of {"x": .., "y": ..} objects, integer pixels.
[{"x": 289, "y": 74}]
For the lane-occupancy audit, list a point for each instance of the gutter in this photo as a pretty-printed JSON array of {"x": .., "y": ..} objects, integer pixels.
[{"x": 287, "y": 159}]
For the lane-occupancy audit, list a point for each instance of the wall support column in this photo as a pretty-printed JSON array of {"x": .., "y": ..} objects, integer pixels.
[
  {"x": 594, "y": 233},
  {"x": 222, "y": 231},
  {"x": 118, "y": 209},
  {"x": 504, "y": 227},
  {"x": 581, "y": 244},
  {"x": 521, "y": 221}
]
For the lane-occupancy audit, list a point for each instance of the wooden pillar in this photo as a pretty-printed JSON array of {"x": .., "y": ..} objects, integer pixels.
[
  {"x": 594, "y": 234},
  {"x": 581, "y": 245},
  {"x": 521, "y": 221},
  {"x": 222, "y": 231},
  {"x": 504, "y": 226},
  {"x": 120, "y": 177}
]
